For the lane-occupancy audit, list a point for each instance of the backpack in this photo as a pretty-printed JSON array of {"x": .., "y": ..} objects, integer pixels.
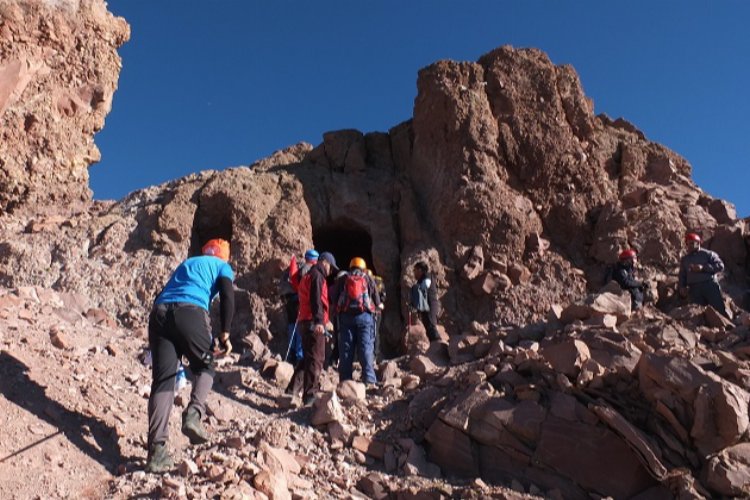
[
  {"x": 355, "y": 296},
  {"x": 419, "y": 299}
]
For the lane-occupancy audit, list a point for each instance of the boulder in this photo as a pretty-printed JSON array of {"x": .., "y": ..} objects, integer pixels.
[
  {"x": 716, "y": 320},
  {"x": 566, "y": 357},
  {"x": 373, "y": 486},
  {"x": 718, "y": 409},
  {"x": 461, "y": 348},
  {"x": 272, "y": 484},
  {"x": 422, "y": 366},
  {"x": 499, "y": 422},
  {"x": 369, "y": 446},
  {"x": 593, "y": 457},
  {"x": 279, "y": 460},
  {"x": 728, "y": 472},
  {"x": 519, "y": 274},
  {"x": 452, "y": 450},
  {"x": 279, "y": 372},
  {"x": 490, "y": 283},
  {"x": 60, "y": 339},
  {"x": 326, "y": 409},
  {"x": 351, "y": 391}
]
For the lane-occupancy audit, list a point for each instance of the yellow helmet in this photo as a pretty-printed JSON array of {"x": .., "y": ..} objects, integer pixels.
[{"x": 358, "y": 262}]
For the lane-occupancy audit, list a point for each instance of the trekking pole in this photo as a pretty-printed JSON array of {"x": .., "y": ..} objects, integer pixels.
[{"x": 291, "y": 339}]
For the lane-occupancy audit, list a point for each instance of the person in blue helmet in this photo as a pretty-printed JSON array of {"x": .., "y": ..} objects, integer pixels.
[
  {"x": 290, "y": 286},
  {"x": 179, "y": 326}
]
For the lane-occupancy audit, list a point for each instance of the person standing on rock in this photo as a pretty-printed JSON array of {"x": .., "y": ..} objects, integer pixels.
[
  {"x": 289, "y": 287},
  {"x": 698, "y": 275},
  {"x": 179, "y": 326},
  {"x": 380, "y": 287},
  {"x": 313, "y": 323},
  {"x": 358, "y": 300},
  {"x": 424, "y": 299},
  {"x": 624, "y": 275}
]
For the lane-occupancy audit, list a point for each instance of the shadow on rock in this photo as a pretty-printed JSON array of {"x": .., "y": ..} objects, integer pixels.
[{"x": 92, "y": 436}]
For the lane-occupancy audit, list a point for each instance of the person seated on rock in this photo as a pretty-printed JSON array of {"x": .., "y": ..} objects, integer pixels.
[
  {"x": 313, "y": 323},
  {"x": 424, "y": 299},
  {"x": 698, "y": 275},
  {"x": 358, "y": 299},
  {"x": 179, "y": 326},
  {"x": 624, "y": 274}
]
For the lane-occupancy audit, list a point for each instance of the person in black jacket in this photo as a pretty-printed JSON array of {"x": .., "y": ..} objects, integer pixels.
[
  {"x": 624, "y": 275},
  {"x": 425, "y": 287}
]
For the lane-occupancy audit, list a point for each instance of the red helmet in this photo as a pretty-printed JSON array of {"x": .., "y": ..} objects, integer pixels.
[
  {"x": 692, "y": 237},
  {"x": 628, "y": 254}
]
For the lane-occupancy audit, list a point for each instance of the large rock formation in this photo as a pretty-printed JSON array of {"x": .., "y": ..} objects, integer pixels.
[
  {"x": 504, "y": 180},
  {"x": 58, "y": 72},
  {"x": 502, "y": 158}
]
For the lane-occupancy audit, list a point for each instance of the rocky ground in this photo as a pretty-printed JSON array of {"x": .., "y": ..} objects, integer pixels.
[
  {"x": 73, "y": 393},
  {"x": 594, "y": 401}
]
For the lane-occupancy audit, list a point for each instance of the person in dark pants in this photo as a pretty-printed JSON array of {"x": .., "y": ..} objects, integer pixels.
[
  {"x": 358, "y": 299},
  {"x": 179, "y": 326},
  {"x": 289, "y": 286},
  {"x": 698, "y": 270},
  {"x": 333, "y": 297},
  {"x": 624, "y": 275},
  {"x": 378, "y": 317},
  {"x": 313, "y": 324},
  {"x": 424, "y": 299}
]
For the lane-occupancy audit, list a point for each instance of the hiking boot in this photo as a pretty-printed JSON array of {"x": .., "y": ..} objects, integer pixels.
[
  {"x": 159, "y": 460},
  {"x": 192, "y": 428}
]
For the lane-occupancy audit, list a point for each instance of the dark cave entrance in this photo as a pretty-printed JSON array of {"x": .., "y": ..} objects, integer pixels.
[
  {"x": 213, "y": 219},
  {"x": 345, "y": 239}
]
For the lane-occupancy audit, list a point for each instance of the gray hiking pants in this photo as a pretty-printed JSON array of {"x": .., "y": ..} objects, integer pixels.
[{"x": 176, "y": 330}]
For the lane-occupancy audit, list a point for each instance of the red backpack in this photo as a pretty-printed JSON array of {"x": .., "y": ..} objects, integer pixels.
[{"x": 355, "y": 296}]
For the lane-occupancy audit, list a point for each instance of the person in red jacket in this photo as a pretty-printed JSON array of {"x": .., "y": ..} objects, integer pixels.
[{"x": 312, "y": 324}]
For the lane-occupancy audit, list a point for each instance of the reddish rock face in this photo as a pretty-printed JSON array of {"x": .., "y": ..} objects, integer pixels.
[
  {"x": 51, "y": 100},
  {"x": 504, "y": 182}
]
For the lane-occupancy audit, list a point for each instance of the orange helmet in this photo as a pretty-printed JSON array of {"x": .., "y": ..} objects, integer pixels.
[
  {"x": 358, "y": 262},
  {"x": 218, "y": 248}
]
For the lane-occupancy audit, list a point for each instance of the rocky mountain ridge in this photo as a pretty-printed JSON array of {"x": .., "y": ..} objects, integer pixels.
[{"x": 504, "y": 180}]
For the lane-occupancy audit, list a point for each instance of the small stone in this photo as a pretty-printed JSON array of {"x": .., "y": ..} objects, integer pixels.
[
  {"x": 235, "y": 442},
  {"x": 375, "y": 449},
  {"x": 327, "y": 408},
  {"x": 410, "y": 382},
  {"x": 187, "y": 468}
]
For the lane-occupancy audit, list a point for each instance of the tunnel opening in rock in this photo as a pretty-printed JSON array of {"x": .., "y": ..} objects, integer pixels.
[
  {"x": 213, "y": 219},
  {"x": 345, "y": 239}
]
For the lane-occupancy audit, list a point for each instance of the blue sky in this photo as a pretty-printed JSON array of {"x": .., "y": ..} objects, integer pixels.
[{"x": 220, "y": 83}]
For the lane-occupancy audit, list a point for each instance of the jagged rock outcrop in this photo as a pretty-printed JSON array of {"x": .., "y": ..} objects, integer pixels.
[
  {"x": 504, "y": 180},
  {"x": 503, "y": 157},
  {"x": 58, "y": 72}
]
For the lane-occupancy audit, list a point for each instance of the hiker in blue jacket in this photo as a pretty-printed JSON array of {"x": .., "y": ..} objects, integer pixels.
[{"x": 179, "y": 326}]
